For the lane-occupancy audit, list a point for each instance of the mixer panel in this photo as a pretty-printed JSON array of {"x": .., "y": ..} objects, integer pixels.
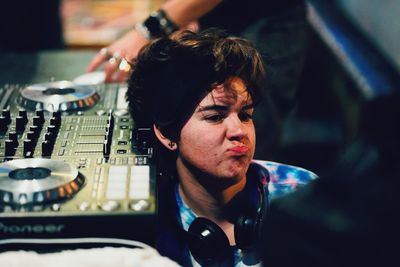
[{"x": 71, "y": 154}]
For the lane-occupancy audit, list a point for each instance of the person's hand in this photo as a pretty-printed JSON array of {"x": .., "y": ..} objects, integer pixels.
[{"x": 117, "y": 56}]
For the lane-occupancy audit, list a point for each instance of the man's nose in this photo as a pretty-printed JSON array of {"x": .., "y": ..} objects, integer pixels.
[{"x": 235, "y": 127}]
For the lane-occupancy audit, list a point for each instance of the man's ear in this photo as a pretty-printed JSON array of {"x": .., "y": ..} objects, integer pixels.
[{"x": 168, "y": 143}]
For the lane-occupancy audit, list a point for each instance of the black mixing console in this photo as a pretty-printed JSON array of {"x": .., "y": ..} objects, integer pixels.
[{"x": 72, "y": 164}]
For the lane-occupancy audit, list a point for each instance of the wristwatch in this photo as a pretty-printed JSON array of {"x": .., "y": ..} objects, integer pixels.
[{"x": 159, "y": 25}]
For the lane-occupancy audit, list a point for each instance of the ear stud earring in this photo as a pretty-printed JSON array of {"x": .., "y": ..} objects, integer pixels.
[{"x": 171, "y": 144}]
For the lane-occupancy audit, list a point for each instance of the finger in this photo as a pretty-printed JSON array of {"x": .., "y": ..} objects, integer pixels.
[
  {"x": 120, "y": 76},
  {"x": 124, "y": 70},
  {"x": 102, "y": 56},
  {"x": 110, "y": 69}
]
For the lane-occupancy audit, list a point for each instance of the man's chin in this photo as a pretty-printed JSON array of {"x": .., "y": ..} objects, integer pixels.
[{"x": 237, "y": 169}]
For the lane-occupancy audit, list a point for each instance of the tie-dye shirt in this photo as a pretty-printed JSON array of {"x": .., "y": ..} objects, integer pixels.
[{"x": 283, "y": 179}]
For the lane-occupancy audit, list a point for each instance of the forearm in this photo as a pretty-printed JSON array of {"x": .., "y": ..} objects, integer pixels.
[{"x": 182, "y": 12}]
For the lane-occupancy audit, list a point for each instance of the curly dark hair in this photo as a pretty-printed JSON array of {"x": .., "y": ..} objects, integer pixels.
[{"x": 172, "y": 75}]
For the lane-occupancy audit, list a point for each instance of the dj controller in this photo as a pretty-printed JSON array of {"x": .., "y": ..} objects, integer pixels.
[{"x": 73, "y": 164}]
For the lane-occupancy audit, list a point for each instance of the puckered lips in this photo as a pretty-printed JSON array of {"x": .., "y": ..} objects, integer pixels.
[{"x": 239, "y": 150}]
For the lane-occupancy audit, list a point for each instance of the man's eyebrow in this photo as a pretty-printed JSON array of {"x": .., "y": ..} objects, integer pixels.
[
  {"x": 213, "y": 107},
  {"x": 222, "y": 107}
]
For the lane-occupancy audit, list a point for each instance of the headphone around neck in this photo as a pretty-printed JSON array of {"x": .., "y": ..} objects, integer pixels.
[{"x": 208, "y": 243}]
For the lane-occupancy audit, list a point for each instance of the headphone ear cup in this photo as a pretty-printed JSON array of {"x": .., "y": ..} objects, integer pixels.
[
  {"x": 248, "y": 226},
  {"x": 246, "y": 231},
  {"x": 206, "y": 240}
]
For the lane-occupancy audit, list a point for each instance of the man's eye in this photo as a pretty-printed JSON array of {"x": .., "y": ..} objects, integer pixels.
[
  {"x": 245, "y": 116},
  {"x": 215, "y": 118}
]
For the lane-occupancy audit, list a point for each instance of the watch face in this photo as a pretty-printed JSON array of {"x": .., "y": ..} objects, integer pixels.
[{"x": 152, "y": 23}]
